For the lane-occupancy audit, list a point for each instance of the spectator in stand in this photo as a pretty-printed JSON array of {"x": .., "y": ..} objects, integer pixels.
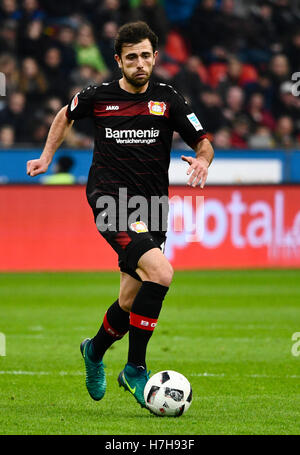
[
  {"x": 65, "y": 42},
  {"x": 257, "y": 114},
  {"x": 188, "y": 81},
  {"x": 84, "y": 76},
  {"x": 34, "y": 42},
  {"x": 293, "y": 51},
  {"x": 57, "y": 11},
  {"x": 260, "y": 34},
  {"x": 107, "y": 45},
  {"x": 285, "y": 18},
  {"x": 288, "y": 104},
  {"x": 234, "y": 106},
  {"x": 262, "y": 85},
  {"x": 58, "y": 81},
  {"x": 222, "y": 139},
  {"x": 261, "y": 138},
  {"x": 151, "y": 12},
  {"x": 179, "y": 12},
  {"x": 8, "y": 37},
  {"x": 108, "y": 11},
  {"x": 232, "y": 77},
  {"x": 284, "y": 133},
  {"x": 279, "y": 69},
  {"x": 279, "y": 73},
  {"x": 160, "y": 72},
  {"x": 87, "y": 52},
  {"x": 32, "y": 82},
  {"x": 8, "y": 66},
  {"x": 230, "y": 27},
  {"x": 30, "y": 11},
  {"x": 16, "y": 115},
  {"x": 204, "y": 33},
  {"x": 7, "y": 136},
  {"x": 9, "y": 9},
  {"x": 54, "y": 104},
  {"x": 39, "y": 132},
  {"x": 240, "y": 132},
  {"x": 210, "y": 110}
]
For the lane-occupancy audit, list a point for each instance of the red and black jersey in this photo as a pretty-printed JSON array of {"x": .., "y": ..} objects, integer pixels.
[{"x": 133, "y": 136}]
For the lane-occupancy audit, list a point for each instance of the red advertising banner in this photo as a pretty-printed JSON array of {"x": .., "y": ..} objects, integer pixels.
[{"x": 52, "y": 228}]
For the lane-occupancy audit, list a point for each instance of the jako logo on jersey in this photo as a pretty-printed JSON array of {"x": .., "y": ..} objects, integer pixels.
[
  {"x": 74, "y": 101},
  {"x": 138, "y": 227},
  {"x": 157, "y": 107},
  {"x": 112, "y": 108}
]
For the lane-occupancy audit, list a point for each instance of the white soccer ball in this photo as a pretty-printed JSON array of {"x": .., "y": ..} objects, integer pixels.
[{"x": 168, "y": 393}]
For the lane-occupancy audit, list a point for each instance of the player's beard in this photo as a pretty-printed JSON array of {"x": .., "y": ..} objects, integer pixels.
[{"x": 137, "y": 82}]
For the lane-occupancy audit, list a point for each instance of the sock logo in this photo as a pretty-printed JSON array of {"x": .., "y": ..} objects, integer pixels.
[
  {"x": 142, "y": 322},
  {"x": 110, "y": 330},
  {"x": 146, "y": 324}
]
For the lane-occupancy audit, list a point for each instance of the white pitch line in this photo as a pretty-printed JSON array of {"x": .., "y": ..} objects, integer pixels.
[
  {"x": 44, "y": 373},
  {"x": 81, "y": 373},
  {"x": 221, "y": 375}
]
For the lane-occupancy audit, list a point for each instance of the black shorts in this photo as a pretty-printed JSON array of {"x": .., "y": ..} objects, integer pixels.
[{"x": 131, "y": 243}]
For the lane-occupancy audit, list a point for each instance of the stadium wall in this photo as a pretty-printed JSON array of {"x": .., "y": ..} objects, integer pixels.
[
  {"x": 52, "y": 228},
  {"x": 230, "y": 166}
]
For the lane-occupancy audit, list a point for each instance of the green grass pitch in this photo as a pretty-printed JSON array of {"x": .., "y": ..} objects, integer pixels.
[{"x": 229, "y": 332}]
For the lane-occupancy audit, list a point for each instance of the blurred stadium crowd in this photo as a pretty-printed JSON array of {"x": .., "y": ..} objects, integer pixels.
[{"x": 232, "y": 59}]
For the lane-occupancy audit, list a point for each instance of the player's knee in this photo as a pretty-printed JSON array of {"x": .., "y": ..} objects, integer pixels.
[
  {"x": 161, "y": 274},
  {"x": 126, "y": 304},
  {"x": 126, "y": 301}
]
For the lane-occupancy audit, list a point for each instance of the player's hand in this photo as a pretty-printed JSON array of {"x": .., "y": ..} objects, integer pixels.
[
  {"x": 198, "y": 170},
  {"x": 36, "y": 167}
]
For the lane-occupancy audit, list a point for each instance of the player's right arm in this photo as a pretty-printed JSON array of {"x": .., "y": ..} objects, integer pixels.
[{"x": 57, "y": 133}]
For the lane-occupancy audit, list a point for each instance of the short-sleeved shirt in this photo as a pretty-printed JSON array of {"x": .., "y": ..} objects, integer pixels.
[{"x": 133, "y": 136}]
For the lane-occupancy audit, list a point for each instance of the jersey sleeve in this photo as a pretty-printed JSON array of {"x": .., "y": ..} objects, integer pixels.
[
  {"x": 82, "y": 104},
  {"x": 185, "y": 121}
]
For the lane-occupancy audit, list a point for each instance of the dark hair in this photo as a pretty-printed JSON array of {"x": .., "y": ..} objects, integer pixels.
[
  {"x": 133, "y": 33},
  {"x": 65, "y": 163}
]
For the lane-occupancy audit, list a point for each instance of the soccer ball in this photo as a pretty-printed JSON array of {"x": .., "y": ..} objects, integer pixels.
[{"x": 168, "y": 393}]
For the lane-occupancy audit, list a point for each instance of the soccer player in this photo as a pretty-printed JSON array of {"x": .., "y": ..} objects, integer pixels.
[{"x": 134, "y": 122}]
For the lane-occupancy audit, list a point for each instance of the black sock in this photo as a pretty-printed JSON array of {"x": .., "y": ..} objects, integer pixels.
[
  {"x": 143, "y": 319},
  {"x": 115, "y": 325}
]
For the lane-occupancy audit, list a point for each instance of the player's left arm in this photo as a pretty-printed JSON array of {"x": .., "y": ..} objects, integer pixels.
[
  {"x": 185, "y": 121},
  {"x": 198, "y": 168}
]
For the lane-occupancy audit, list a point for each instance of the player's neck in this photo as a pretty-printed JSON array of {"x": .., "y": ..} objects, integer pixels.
[{"x": 125, "y": 85}]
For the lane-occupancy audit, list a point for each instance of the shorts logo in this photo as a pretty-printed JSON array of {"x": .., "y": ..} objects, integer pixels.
[
  {"x": 138, "y": 227},
  {"x": 195, "y": 121},
  {"x": 74, "y": 102},
  {"x": 157, "y": 107}
]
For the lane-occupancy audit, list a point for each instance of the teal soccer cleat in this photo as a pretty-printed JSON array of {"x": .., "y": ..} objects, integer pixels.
[
  {"x": 95, "y": 375},
  {"x": 134, "y": 379}
]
